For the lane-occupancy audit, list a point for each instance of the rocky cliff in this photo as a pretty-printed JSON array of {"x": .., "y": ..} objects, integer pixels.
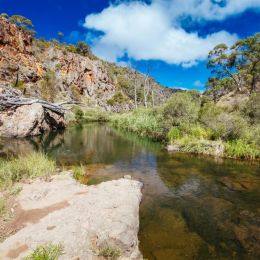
[{"x": 51, "y": 71}]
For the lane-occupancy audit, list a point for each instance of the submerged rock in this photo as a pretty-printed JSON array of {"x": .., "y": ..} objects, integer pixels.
[{"x": 83, "y": 219}]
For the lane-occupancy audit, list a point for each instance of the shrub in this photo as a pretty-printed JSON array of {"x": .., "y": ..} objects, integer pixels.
[
  {"x": 118, "y": 98},
  {"x": 174, "y": 134},
  {"x": 182, "y": 107},
  {"x": 110, "y": 253},
  {"x": 31, "y": 165},
  {"x": 95, "y": 115},
  {"x": 223, "y": 125},
  {"x": 46, "y": 252},
  {"x": 195, "y": 131},
  {"x": 79, "y": 115},
  {"x": 252, "y": 108},
  {"x": 242, "y": 150}
]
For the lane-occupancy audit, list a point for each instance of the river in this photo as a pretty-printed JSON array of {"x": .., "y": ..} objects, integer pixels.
[{"x": 193, "y": 207}]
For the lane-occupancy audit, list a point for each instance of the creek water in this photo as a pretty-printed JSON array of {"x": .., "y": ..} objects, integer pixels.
[{"x": 193, "y": 207}]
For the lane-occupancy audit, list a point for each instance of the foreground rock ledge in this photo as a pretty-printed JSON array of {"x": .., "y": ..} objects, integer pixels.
[{"x": 83, "y": 218}]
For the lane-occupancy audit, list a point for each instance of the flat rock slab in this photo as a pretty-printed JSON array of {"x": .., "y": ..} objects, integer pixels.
[{"x": 83, "y": 219}]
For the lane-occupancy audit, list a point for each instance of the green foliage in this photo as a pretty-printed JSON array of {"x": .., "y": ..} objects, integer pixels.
[
  {"x": 4, "y": 15},
  {"x": 181, "y": 107},
  {"x": 252, "y": 108},
  {"x": 79, "y": 115},
  {"x": 123, "y": 82},
  {"x": 237, "y": 66},
  {"x": 3, "y": 209},
  {"x": 29, "y": 166},
  {"x": 95, "y": 115},
  {"x": 89, "y": 115},
  {"x": 224, "y": 125},
  {"x": 118, "y": 98},
  {"x": 78, "y": 172},
  {"x": 195, "y": 131},
  {"x": 71, "y": 48},
  {"x": 83, "y": 49},
  {"x": 110, "y": 253},
  {"x": 174, "y": 134},
  {"x": 42, "y": 43},
  {"x": 241, "y": 150},
  {"x": 145, "y": 122},
  {"x": 46, "y": 252}
]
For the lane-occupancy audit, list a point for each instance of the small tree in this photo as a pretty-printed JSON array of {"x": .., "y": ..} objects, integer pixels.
[
  {"x": 21, "y": 21},
  {"x": 223, "y": 64},
  {"x": 83, "y": 49},
  {"x": 4, "y": 15},
  {"x": 247, "y": 52}
]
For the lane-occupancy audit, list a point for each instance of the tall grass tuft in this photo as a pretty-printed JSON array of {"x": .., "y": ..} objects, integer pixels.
[
  {"x": 32, "y": 165},
  {"x": 241, "y": 150},
  {"x": 46, "y": 252},
  {"x": 141, "y": 121}
]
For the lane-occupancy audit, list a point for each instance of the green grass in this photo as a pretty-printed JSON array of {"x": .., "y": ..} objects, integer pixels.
[
  {"x": 89, "y": 115},
  {"x": 29, "y": 166},
  {"x": 110, "y": 253},
  {"x": 141, "y": 121},
  {"x": 46, "y": 252},
  {"x": 239, "y": 149},
  {"x": 78, "y": 172}
]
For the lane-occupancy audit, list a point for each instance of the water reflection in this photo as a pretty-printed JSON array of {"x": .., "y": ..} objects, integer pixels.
[{"x": 193, "y": 207}]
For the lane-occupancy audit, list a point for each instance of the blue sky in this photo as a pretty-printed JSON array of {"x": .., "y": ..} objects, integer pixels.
[{"x": 172, "y": 37}]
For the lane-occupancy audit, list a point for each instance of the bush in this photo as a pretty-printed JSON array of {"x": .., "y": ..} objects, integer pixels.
[
  {"x": 29, "y": 166},
  {"x": 241, "y": 150},
  {"x": 181, "y": 107},
  {"x": 46, "y": 252},
  {"x": 79, "y": 115},
  {"x": 118, "y": 98},
  {"x": 174, "y": 134},
  {"x": 252, "y": 108},
  {"x": 195, "y": 131},
  {"x": 110, "y": 253},
  {"x": 224, "y": 125}
]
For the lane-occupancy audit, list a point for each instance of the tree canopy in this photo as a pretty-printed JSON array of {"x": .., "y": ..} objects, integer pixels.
[{"x": 236, "y": 67}]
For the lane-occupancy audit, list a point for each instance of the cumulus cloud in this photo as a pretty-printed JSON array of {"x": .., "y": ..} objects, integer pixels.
[{"x": 153, "y": 31}]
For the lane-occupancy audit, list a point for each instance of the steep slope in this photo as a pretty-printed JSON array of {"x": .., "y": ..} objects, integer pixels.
[{"x": 53, "y": 71}]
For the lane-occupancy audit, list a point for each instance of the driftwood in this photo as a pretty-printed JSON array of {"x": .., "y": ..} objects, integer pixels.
[{"x": 12, "y": 100}]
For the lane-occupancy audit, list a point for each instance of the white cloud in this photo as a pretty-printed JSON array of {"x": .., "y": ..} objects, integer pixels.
[{"x": 153, "y": 32}]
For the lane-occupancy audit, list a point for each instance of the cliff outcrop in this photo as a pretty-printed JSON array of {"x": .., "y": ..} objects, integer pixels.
[{"x": 52, "y": 71}]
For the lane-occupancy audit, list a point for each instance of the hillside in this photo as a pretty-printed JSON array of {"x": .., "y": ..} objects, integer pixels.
[{"x": 56, "y": 71}]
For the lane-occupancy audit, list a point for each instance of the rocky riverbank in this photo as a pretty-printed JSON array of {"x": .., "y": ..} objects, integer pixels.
[{"x": 83, "y": 219}]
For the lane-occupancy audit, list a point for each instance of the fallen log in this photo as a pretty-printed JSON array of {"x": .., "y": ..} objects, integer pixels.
[{"x": 9, "y": 101}]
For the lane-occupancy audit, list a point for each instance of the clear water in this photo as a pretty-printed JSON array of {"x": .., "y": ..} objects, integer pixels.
[{"x": 193, "y": 207}]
